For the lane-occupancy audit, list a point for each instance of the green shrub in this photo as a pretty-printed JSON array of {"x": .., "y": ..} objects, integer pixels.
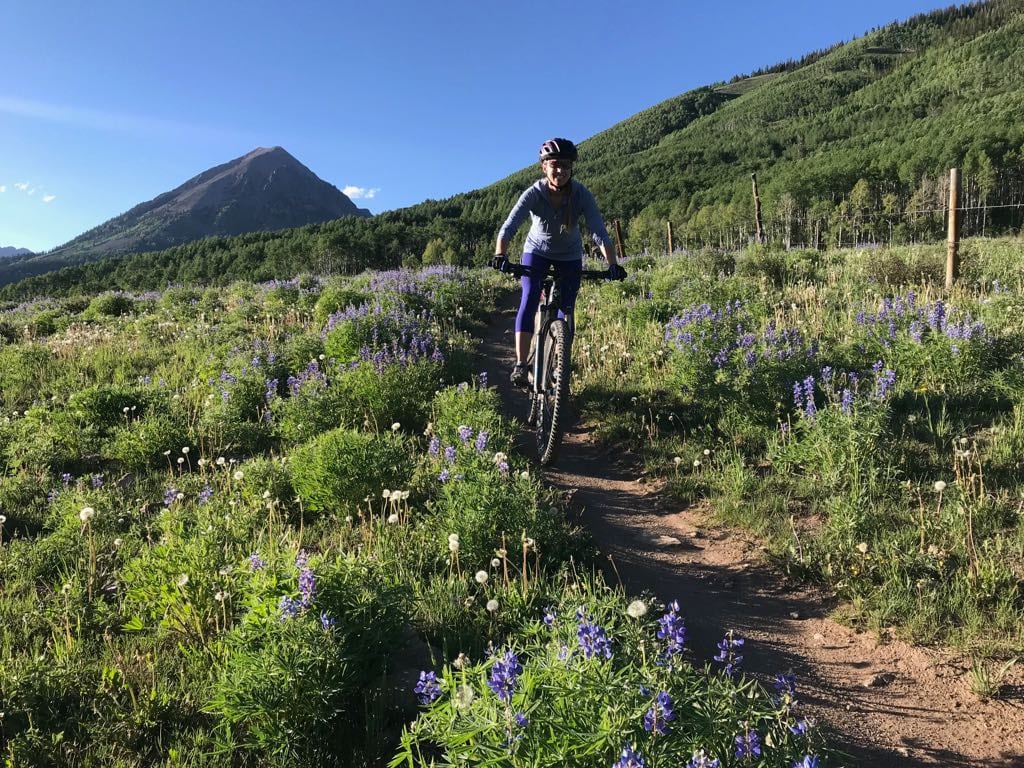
[
  {"x": 142, "y": 442},
  {"x": 339, "y": 469},
  {"x": 335, "y": 297},
  {"x": 109, "y": 305}
]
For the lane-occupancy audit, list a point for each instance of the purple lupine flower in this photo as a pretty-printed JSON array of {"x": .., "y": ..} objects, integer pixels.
[
  {"x": 449, "y": 454},
  {"x": 170, "y": 496},
  {"x": 504, "y": 676},
  {"x": 748, "y": 745},
  {"x": 483, "y": 379},
  {"x": 66, "y": 478},
  {"x": 481, "y": 442},
  {"x": 630, "y": 758},
  {"x": 808, "y": 761},
  {"x": 307, "y": 586},
  {"x": 427, "y": 689},
  {"x": 593, "y": 639},
  {"x": 302, "y": 559},
  {"x": 326, "y": 620},
  {"x": 700, "y": 760},
  {"x": 435, "y": 446},
  {"x": 256, "y": 563},
  {"x": 270, "y": 392},
  {"x": 884, "y": 383},
  {"x": 937, "y": 316},
  {"x": 727, "y": 654},
  {"x": 96, "y": 481},
  {"x": 52, "y": 495},
  {"x": 205, "y": 495},
  {"x": 445, "y": 476},
  {"x": 671, "y": 630},
  {"x": 801, "y": 728},
  {"x": 659, "y": 714},
  {"x": 465, "y": 433},
  {"x": 521, "y": 719},
  {"x": 549, "y": 616},
  {"x": 289, "y": 607},
  {"x": 785, "y": 688}
]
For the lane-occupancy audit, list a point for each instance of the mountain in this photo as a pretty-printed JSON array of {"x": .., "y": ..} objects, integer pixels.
[
  {"x": 849, "y": 144},
  {"x": 7, "y": 251},
  {"x": 265, "y": 190}
]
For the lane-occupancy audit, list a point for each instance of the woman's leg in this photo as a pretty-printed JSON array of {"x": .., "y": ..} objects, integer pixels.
[{"x": 528, "y": 303}]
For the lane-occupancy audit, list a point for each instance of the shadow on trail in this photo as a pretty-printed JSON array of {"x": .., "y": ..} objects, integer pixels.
[{"x": 654, "y": 548}]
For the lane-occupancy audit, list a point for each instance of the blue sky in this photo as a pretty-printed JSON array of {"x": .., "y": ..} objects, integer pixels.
[{"x": 107, "y": 104}]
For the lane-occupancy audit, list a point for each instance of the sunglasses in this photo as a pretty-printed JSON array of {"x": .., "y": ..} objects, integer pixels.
[{"x": 562, "y": 164}]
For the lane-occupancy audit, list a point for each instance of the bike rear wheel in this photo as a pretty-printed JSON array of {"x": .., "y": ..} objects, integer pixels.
[{"x": 553, "y": 394}]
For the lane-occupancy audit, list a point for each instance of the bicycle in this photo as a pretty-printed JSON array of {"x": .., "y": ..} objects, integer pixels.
[{"x": 549, "y": 358}]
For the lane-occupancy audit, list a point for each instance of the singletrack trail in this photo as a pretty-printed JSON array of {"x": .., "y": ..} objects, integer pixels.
[{"x": 885, "y": 703}]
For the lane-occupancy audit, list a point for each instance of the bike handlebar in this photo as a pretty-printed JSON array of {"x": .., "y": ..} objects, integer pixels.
[{"x": 522, "y": 270}]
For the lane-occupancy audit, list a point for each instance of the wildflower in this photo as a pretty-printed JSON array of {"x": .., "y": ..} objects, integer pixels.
[
  {"x": 307, "y": 586},
  {"x": 802, "y": 727},
  {"x": 659, "y": 714},
  {"x": 326, "y": 620},
  {"x": 428, "y": 689},
  {"x": 593, "y": 639},
  {"x": 256, "y": 563},
  {"x": 220, "y": 596},
  {"x": 846, "y": 401},
  {"x": 727, "y": 654},
  {"x": 940, "y": 486},
  {"x": 504, "y": 676},
  {"x": 396, "y": 426},
  {"x": 481, "y": 577},
  {"x": 183, "y": 580},
  {"x": 672, "y": 630},
  {"x": 445, "y": 476},
  {"x": 220, "y": 461},
  {"x": 521, "y": 719},
  {"x": 449, "y": 454},
  {"x": 86, "y": 514},
  {"x": 808, "y": 761},
  {"x": 465, "y": 433},
  {"x": 748, "y": 745},
  {"x": 862, "y": 548},
  {"x": 700, "y": 760},
  {"x": 549, "y": 616},
  {"x": 393, "y": 518},
  {"x": 636, "y": 609},
  {"x": 117, "y": 542},
  {"x": 170, "y": 496},
  {"x": 696, "y": 463},
  {"x": 495, "y": 562},
  {"x": 205, "y": 495},
  {"x": 492, "y": 605},
  {"x": 630, "y": 758},
  {"x": 481, "y": 442},
  {"x": 96, "y": 481},
  {"x": 289, "y": 607},
  {"x": 239, "y": 475},
  {"x": 435, "y": 446}
]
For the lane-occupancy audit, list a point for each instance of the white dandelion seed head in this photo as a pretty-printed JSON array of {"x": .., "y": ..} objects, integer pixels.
[
  {"x": 696, "y": 462},
  {"x": 182, "y": 580},
  {"x": 396, "y": 426},
  {"x": 464, "y": 696},
  {"x": 239, "y": 474},
  {"x": 221, "y": 461},
  {"x": 386, "y": 493},
  {"x": 392, "y": 518},
  {"x": 494, "y": 563},
  {"x": 678, "y": 460},
  {"x": 86, "y": 514},
  {"x": 492, "y": 605},
  {"x": 185, "y": 450},
  {"x": 453, "y": 545},
  {"x": 636, "y": 609},
  {"x": 481, "y": 577},
  {"x": 862, "y": 548},
  {"x": 940, "y": 486},
  {"x": 707, "y": 451}
]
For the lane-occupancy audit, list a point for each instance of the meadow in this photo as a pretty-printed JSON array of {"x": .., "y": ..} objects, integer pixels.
[{"x": 278, "y": 523}]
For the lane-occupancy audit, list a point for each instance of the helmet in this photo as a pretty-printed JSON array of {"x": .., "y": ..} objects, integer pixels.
[{"x": 557, "y": 149}]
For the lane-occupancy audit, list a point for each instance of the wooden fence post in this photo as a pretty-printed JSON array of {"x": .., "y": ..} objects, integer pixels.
[
  {"x": 757, "y": 211},
  {"x": 671, "y": 248},
  {"x": 621, "y": 243},
  {"x": 953, "y": 233}
]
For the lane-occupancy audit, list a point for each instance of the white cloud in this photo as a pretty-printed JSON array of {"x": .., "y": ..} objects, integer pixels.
[
  {"x": 22, "y": 185},
  {"x": 49, "y": 198},
  {"x": 360, "y": 193},
  {"x": 3, "y": 188}
]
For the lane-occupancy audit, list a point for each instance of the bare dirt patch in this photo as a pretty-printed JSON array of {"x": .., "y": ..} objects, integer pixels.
[{"x": 886, "y": 703}]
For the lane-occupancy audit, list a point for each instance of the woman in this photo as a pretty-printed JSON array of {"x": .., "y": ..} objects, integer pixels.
[{"x": 554, "y": 205}]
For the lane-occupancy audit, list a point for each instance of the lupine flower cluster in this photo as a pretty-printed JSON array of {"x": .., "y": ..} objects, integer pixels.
[
  {"x": 729, "y": 343},
  {"x": 289, "y": 606},
  {"x": 748, "y": 745},
  {"x": 504, "y": 676},
  {"x": 901, "y": 314},
  {"x": 427, "y": 689},
  {"x": 630, "y": 758},
  {"x": 728, "y": 655},
  {"x": 659, "y": 715},
  {"x": 843, "y": 389},
  {"x": 672, "y": 630},
  {"x": 592, "y": 638},
  {"x": 391, "y": 335}
]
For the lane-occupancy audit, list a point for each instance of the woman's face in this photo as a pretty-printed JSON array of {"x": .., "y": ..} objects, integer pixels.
[{"x": 557, "y": 172}]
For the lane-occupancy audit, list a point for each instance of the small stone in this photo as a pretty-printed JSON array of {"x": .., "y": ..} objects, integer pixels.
[
  {"x": 903, "y": 751},
  {"x": 818, "y": 637},
  {"x": 664, "y": 541},
  {"x": 794, "y": 615},
  {"x": 880, "y": 680}
]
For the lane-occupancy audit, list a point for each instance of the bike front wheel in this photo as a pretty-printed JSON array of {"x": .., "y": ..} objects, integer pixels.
[{"x": 553, "y": 393}]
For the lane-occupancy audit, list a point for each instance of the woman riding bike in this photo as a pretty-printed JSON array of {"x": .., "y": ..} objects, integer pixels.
[{"x": 554, "y": 205}]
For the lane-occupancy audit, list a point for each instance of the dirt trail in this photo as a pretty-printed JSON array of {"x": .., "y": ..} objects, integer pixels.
[{"x": 886, "y": 703}]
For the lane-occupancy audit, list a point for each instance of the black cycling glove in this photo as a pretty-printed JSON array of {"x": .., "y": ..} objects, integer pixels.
[
  {"x": 500, "y": 262},
  {"x": 616, "y": 272}
]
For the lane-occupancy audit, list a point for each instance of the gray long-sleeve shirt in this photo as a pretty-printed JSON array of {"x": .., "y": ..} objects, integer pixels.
[{"x": 555, "y": 233}]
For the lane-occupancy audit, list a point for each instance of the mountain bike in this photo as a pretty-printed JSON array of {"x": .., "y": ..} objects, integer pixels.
[{"x": 549, "y": 358}]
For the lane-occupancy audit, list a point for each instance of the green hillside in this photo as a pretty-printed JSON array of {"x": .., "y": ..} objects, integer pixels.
[{"x": 852, "y": 144}]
